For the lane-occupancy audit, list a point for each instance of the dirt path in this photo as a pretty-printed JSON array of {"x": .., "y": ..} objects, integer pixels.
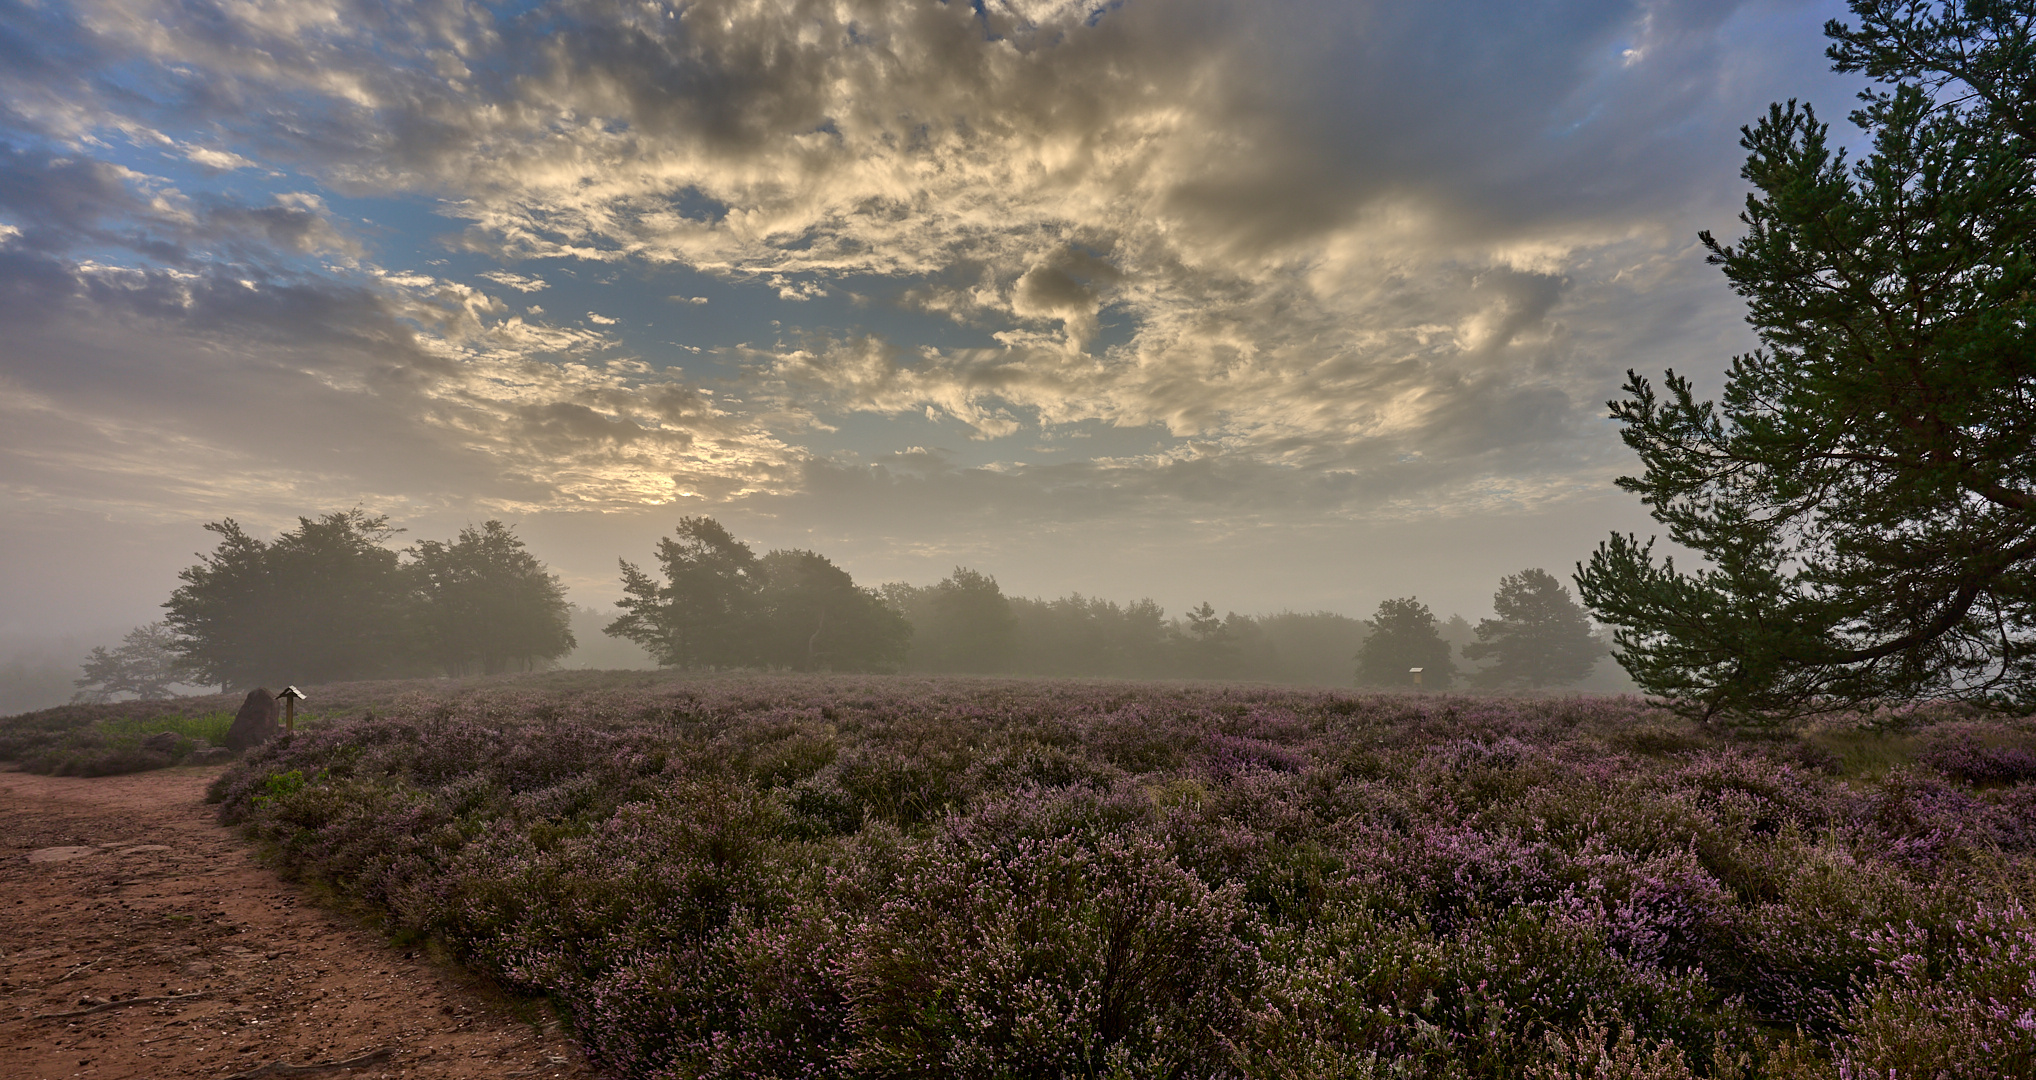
[{"x": 125, "y": 888}]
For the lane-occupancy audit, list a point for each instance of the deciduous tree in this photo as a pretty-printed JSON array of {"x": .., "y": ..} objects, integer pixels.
[
  {"x": 489, "y": 605},
  {"x": 815, "y": 618},
  {"x": 324, "y": 602},
  {"x": 1404, "y": 636},
  {"x": 972, "y": 623},
  {"x": 963, "y": 623}
]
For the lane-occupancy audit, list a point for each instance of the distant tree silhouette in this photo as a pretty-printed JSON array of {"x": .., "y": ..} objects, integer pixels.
[
  {"x": 1211, "y": 647},
  {"x": 596, "y": 650},
  {"x": 488, "y": 605},
  {"x": 1541, "y": 637},
  {"x": 1078, "y": 635},
  {"x": 1086, "y": 635},
  {"x": 146, "y": 664},
  {"x": 325, "y": 602},
  {"x": 815, "y": 618},
  {"x": 964, "y": 623},
  {"x": 1313, "y": 647},
  {"x": 1404, "y": 636},
  {"x": 704, "y": 613},
  {"x": 972, "y": 623}
]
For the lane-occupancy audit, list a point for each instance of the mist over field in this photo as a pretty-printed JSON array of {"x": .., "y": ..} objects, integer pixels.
[
  {"x": 1294, "y": 307},
  {"x": 334, "y": 600}
]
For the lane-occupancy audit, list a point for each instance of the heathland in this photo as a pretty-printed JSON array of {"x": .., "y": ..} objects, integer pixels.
[{"x": 891, "y": 876}]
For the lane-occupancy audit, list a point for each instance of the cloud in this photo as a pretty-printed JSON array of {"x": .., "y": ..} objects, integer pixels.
[
  {"x": 61, "y": 201},
  {"x": 218, "y": 160},
  {"x": 167, "y": 393},
  {"x": 908, "y": 138},
  {"x": 522, "y": 283},
  {"x": 1394, "y": 252}
]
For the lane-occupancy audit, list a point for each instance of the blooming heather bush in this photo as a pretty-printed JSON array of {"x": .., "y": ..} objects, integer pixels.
[
  {"x": 911, "y": 877},
  {"x": 1091, "y": 952},
  {"x": 1973, "y": 754},
  {"x": 1964, "y": 1006},
  {"x": 1592, "y": 1054}
]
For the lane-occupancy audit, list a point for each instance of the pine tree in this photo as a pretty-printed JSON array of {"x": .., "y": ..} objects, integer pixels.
[
  {"x": 1865, "y": 495},
  {"x": 705, "y": 612},
  {"x": 1541, "y": 637},
  {"x": 1211, "y": 648},
  {"x": 146, "y": 663}
]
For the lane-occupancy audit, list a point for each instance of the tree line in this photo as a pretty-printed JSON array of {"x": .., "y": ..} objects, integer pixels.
[
  {"x": 715, "y": 603},
  {"x": 332, "y": 600},
  {"x": 1862, "y": 497},
  {"x": 965, "y": 624}
]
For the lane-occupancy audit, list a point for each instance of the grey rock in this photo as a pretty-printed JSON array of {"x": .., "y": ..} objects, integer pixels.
[
  {"x": 165, "y": 741},
  {"x": 255, "y": 723},
  {"x": 210, "y": 755}
]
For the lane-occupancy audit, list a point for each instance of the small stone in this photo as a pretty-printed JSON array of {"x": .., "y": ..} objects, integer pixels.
[{"x": 60, "y": 854}]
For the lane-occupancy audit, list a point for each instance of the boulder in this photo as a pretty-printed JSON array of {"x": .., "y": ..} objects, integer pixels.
[
  {"x": 211, "y": 755},
  {"x": 255, "y": 723},
  {"x": 165, "y": 741}
]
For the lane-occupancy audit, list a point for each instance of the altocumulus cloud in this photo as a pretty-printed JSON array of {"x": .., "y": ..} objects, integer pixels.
[{"x": 1359, "y": 257}]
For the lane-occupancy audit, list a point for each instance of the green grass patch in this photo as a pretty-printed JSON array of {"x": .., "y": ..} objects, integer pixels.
[
  {"x": 210, "y": 727},
  {"x": 1866, "y": 754},
  {"x": 87, "y": 741}
]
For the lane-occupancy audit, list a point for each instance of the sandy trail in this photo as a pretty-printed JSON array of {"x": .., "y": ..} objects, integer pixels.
[{"x": 125, "y": 887}]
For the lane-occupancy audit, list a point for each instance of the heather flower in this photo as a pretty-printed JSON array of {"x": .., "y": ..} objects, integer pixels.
[{"x": 804, "y": 876}]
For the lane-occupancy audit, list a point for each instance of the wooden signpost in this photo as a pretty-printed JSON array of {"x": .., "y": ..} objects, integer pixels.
[{"x": 290, "y": 695}]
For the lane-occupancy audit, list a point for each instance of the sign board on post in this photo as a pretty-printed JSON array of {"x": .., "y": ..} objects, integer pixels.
[{"x": 290, "y": 696}]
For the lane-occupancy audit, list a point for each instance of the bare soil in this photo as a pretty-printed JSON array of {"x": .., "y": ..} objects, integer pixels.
[{"x": 124, "y": 904}]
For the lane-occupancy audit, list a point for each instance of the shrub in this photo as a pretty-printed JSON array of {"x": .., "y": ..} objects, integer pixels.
[
  {"x": 1963, "y": 1004},
  {"x": 855, "y": 876},
  {"x": 1971, "y": 754}
]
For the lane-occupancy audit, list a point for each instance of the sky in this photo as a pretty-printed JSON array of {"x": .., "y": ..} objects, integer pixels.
[{"x": 1279, "y": 305}]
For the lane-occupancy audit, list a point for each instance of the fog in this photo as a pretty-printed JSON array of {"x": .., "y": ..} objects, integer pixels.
[
  {"x": 1065, "y": 632},
  {"x": 1289, "y": 308}
]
